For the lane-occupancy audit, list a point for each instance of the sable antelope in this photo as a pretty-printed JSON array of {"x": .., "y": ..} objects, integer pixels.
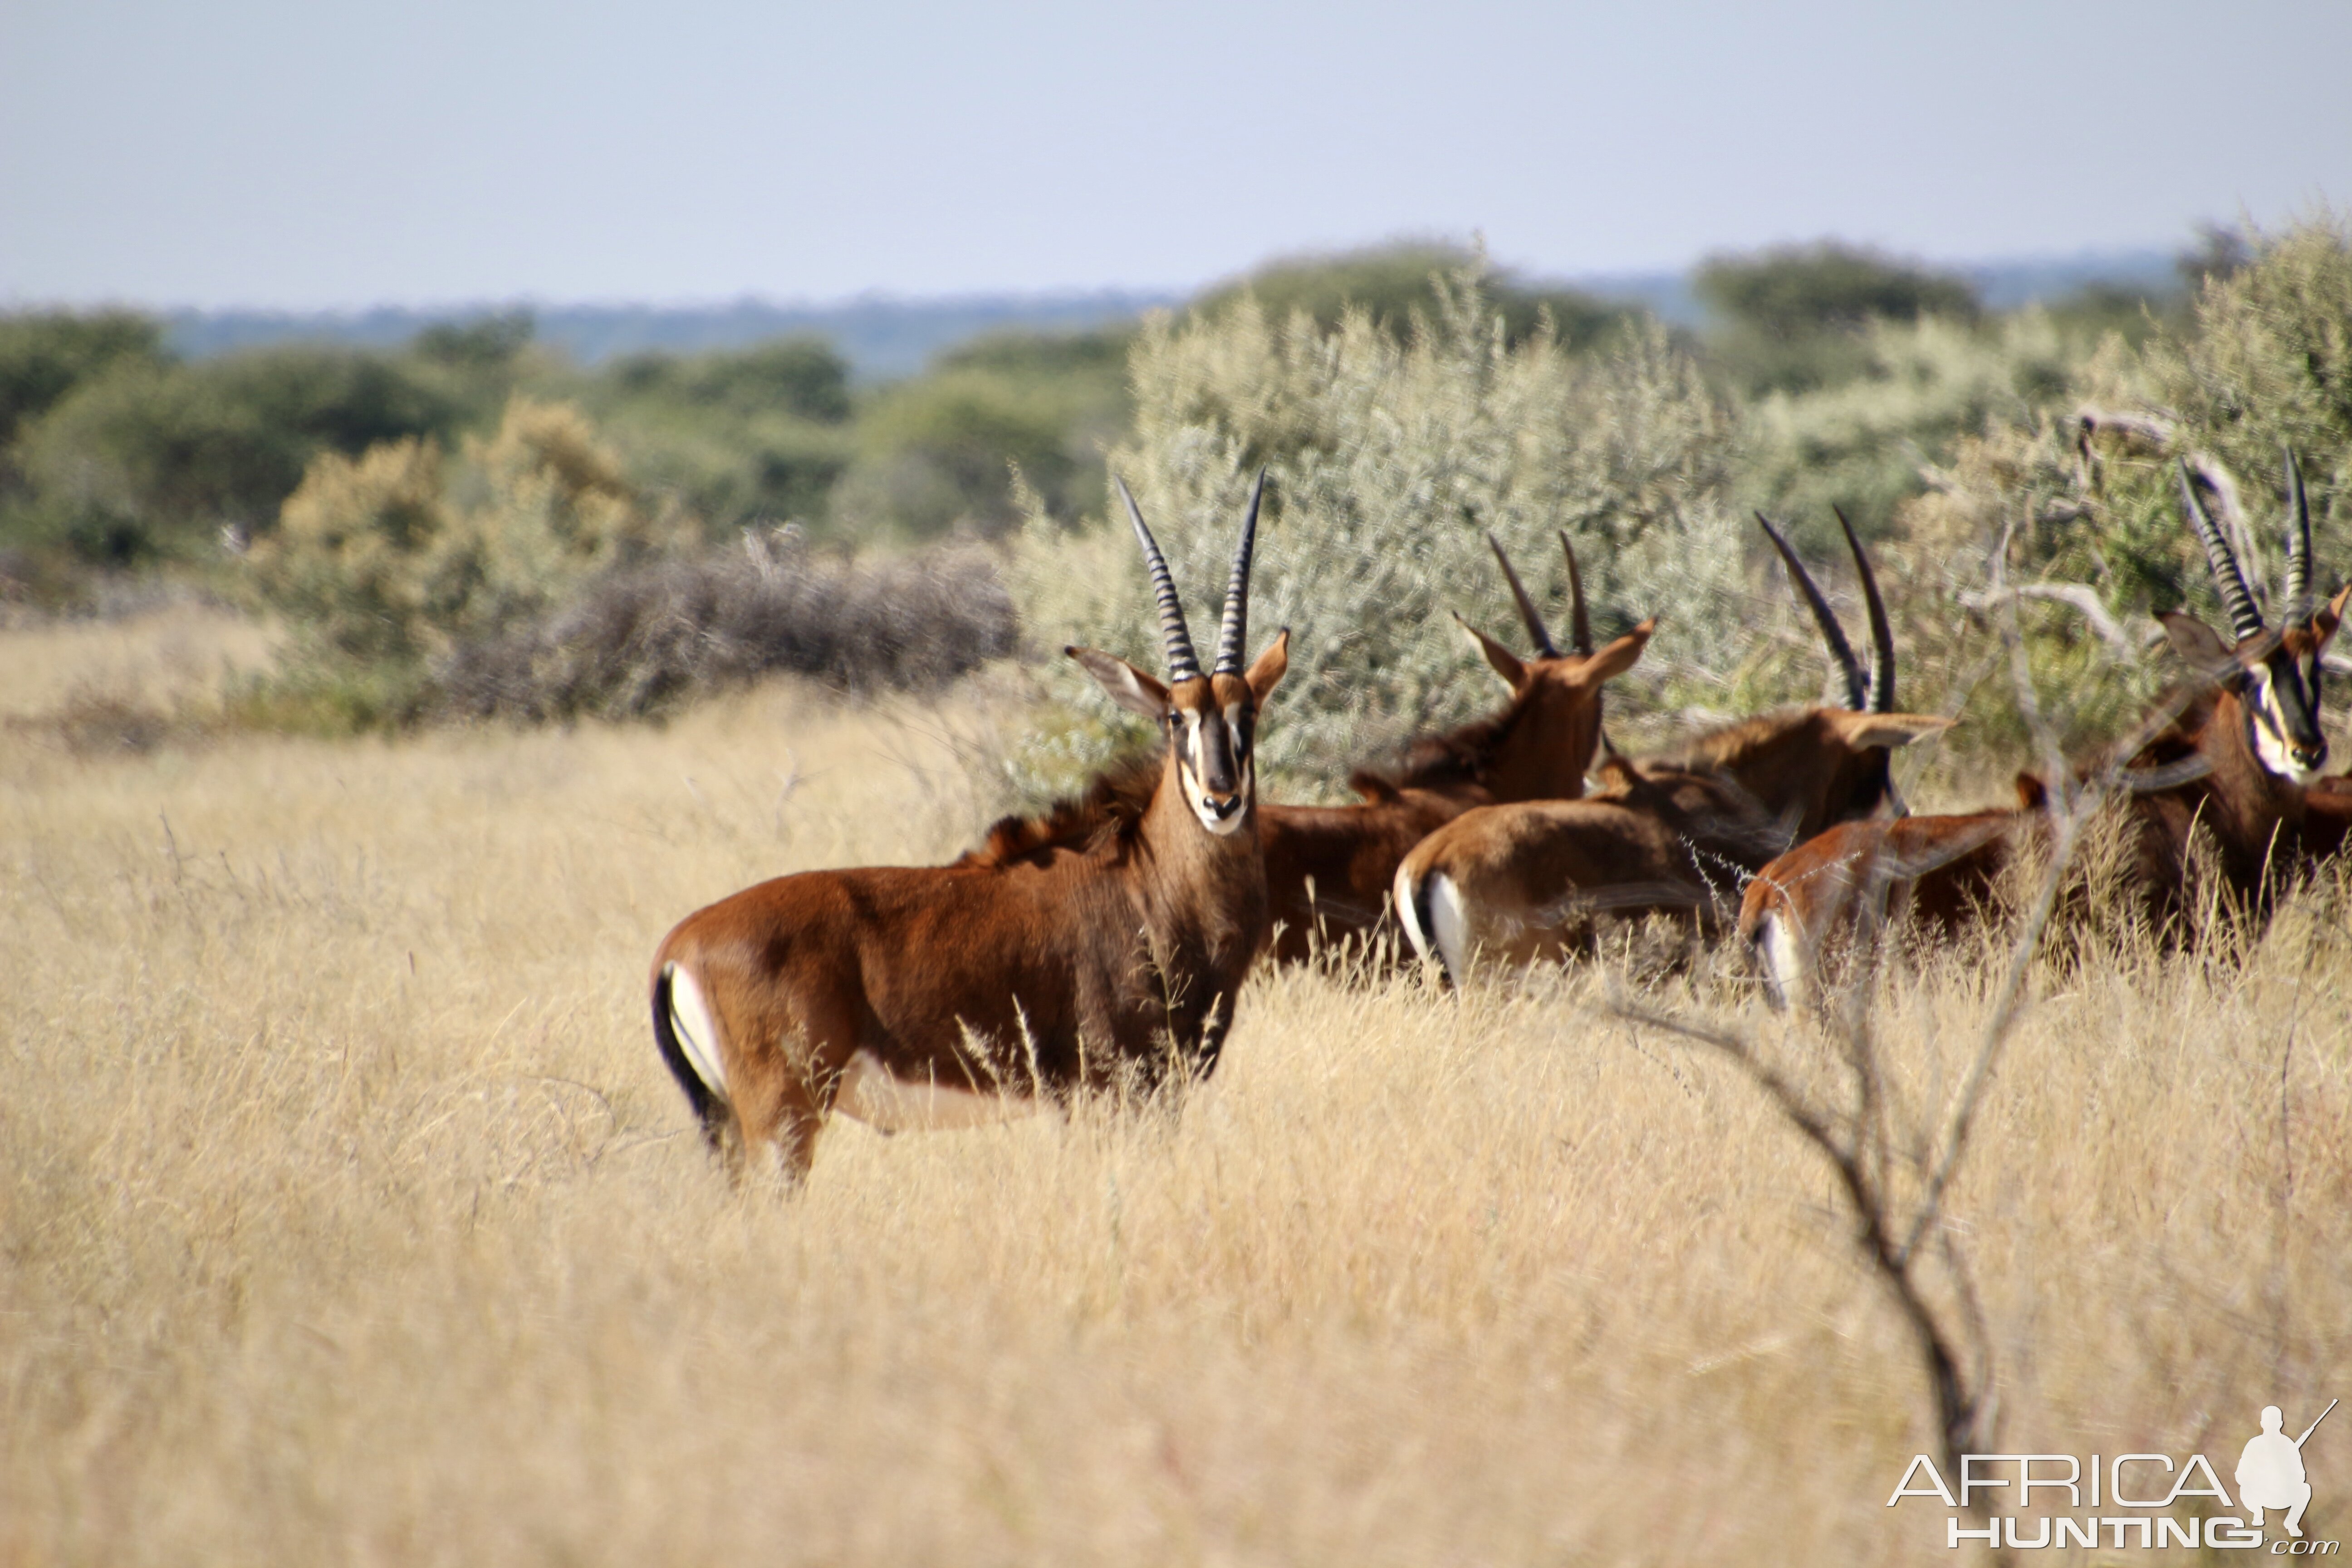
[
  {"x": 2327, "y": 816},
  {"x": 1669, "y": 835},
  {"x": 2230, "y": 769},
  {"x": 1328, "y": 868},
  {"x": 1102, "y": 942}
]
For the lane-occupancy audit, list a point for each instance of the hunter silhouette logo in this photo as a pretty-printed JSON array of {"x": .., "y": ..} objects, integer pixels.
[
  {"x": 2122, "y": 1500},
  {"x": 2269, "y": 1472}
]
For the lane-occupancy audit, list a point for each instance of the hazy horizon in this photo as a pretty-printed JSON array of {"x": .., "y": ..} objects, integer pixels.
[{"x": 259, "y": 155}]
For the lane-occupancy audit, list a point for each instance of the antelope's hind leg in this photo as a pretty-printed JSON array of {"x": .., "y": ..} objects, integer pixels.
[
  {"x": 788, "y": 1080},
  {"x": 778, "y": 1113}
]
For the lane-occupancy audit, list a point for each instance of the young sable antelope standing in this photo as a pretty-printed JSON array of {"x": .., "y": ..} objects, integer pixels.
[
  {"x": 2232, "y": 769},
  {"x": 1329, "y": 867},
  {"x": 1103, "y": 942},
  {"x": 1675, "y": 835}
]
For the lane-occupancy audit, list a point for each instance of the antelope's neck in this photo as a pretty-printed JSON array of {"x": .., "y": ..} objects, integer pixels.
[
  {"x": 1542, "y": 756},
  {"x": 2253, "y": 798},
  {"x": 1195, "y": 887}
]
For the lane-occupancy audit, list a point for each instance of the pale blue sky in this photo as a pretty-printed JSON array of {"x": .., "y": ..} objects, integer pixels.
[{"x": 304, "y": 155}]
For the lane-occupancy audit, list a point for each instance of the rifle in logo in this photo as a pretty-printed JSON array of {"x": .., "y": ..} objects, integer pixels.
[{"x": 2270, "y": 1471}]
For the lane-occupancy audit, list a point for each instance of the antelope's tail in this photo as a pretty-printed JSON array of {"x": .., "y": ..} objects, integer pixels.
[
  {"x": 1425, "y": 909},
  {"x": 688, "y": 1039}
]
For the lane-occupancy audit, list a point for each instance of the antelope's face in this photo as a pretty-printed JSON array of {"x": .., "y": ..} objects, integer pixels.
[
  {"x": 1210, "y": 724},
  {"x": 2282, "y": 698},
  {"x": 2277, "y": 679}
]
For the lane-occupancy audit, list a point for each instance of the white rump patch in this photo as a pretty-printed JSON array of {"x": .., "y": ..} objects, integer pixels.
[
  {"x": 690, "y": 1019},
  {"x": 871, "y": 1093},
  {"x": 1782, "y": 957},
  {"x": 1451, "y": 924},
  {"x": 1409, "y": 913}
]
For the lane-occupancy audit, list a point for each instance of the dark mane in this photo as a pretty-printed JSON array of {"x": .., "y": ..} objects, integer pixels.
[
  {"x": 1113, "y": 804},
  {"x": 1462, "y": 755}
]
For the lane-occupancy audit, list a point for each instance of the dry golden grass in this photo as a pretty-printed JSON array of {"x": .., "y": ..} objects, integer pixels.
[
  {"x": 178, "y": 656},
  {"x": 349, "y": 1214}
]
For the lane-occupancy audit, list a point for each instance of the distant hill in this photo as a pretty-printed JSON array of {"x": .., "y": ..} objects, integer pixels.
[
  {"x": 885, "y": 338},
  {"x": 882, "y": 338},
  {"x": 2003, "y": 285}
]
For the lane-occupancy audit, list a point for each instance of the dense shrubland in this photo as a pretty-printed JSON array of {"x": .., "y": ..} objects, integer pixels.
[{"x": 473, "y": 525}]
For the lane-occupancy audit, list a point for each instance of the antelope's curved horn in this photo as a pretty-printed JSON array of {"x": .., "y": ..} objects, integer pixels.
[
  {"x": 1183, "y": 664},
  {"x": 1233, "y": 634},
  {"x": 2298, "y": 545},
  {"x": 1840, "y": 651},
  {"x": 1580, "y": 625},
  {"x": 1528, "y": 611},
  {"x": 2245, "y": 620},
  {"x": 1882, "y": 636}
]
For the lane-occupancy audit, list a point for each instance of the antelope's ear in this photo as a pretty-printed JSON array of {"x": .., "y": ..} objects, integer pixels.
[
  {"x": 2324, "y": 624},
  {"x": 2200, "y": 645},
  {"x": 1618, "y": 656},
  {"x": 1269, "y": 668},
  {"x": 1863, "y": 730},
  {"x": 1128, "y": 687},
  {"x": 1504, "y": 662}
]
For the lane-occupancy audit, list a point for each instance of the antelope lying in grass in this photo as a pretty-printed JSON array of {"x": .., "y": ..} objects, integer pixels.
[
  {"x": 2229, "y": 771},
  {"x": 1100, "y": 943},
  {"x": 1677, "y": 834},
  {"x": 1328, "y": 868}
]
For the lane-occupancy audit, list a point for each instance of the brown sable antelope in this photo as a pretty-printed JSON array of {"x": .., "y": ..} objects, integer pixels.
[
  {"x": 2229, "y": 768},
  {"x": 2327, "y": 816},
  {"x": 1329, "y": 867},
  {"x": 1101, "y": 944},
  {"x": 1675, "y": 834}
]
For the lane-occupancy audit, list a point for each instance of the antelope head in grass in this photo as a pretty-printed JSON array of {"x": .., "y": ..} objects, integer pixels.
[
  {"x": 1329, "y": 867},
  {"x": 2230, "y": 762},
  {"x": 1677, "y": 834}
]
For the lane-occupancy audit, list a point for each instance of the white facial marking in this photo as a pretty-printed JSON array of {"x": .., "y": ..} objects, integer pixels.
[
  {"x": 870, "y": 1093},
  {"x": 1191, "y": 763},
  {"x": 2269, "y": 734},
  {"x": 689, "y": 1020}
]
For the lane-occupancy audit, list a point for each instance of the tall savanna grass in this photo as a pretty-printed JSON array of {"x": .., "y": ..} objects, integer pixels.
[{"x": 347, "y": 1215}]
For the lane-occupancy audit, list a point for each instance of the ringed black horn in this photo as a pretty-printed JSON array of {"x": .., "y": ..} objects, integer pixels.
[
  {"x": 1528, "y": 611},
  {"x": 1183, "y": 664},
  {"x": 1841, "y": 650},
  {"x": 1580, "y": 625},
  {"x": 1234, "y": 632},
  {"x": 2298, "y": 545},
  {"x": 2245, "y": 619},
  {"x": 1881, "y": 634}
]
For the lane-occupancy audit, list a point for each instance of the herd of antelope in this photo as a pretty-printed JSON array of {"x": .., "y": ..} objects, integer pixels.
[{"x": 1103, "y": 944}]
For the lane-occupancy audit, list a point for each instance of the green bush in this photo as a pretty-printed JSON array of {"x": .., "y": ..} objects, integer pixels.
[
  {"x": 149, "y": 460},
  {"x": 1388, "y": 461},
  {"x": 939, "y": 451},
  {"x": 738, "y": 439},
  {"x": 1792, "y": 319},
  {"x": 43, "y": 356},
  {"x": 1861, "y": 443},
  {"x": 392, "y": 558},
  {"x": 1392, "y": 285},
  {"x": 2262, "y": 361}
]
